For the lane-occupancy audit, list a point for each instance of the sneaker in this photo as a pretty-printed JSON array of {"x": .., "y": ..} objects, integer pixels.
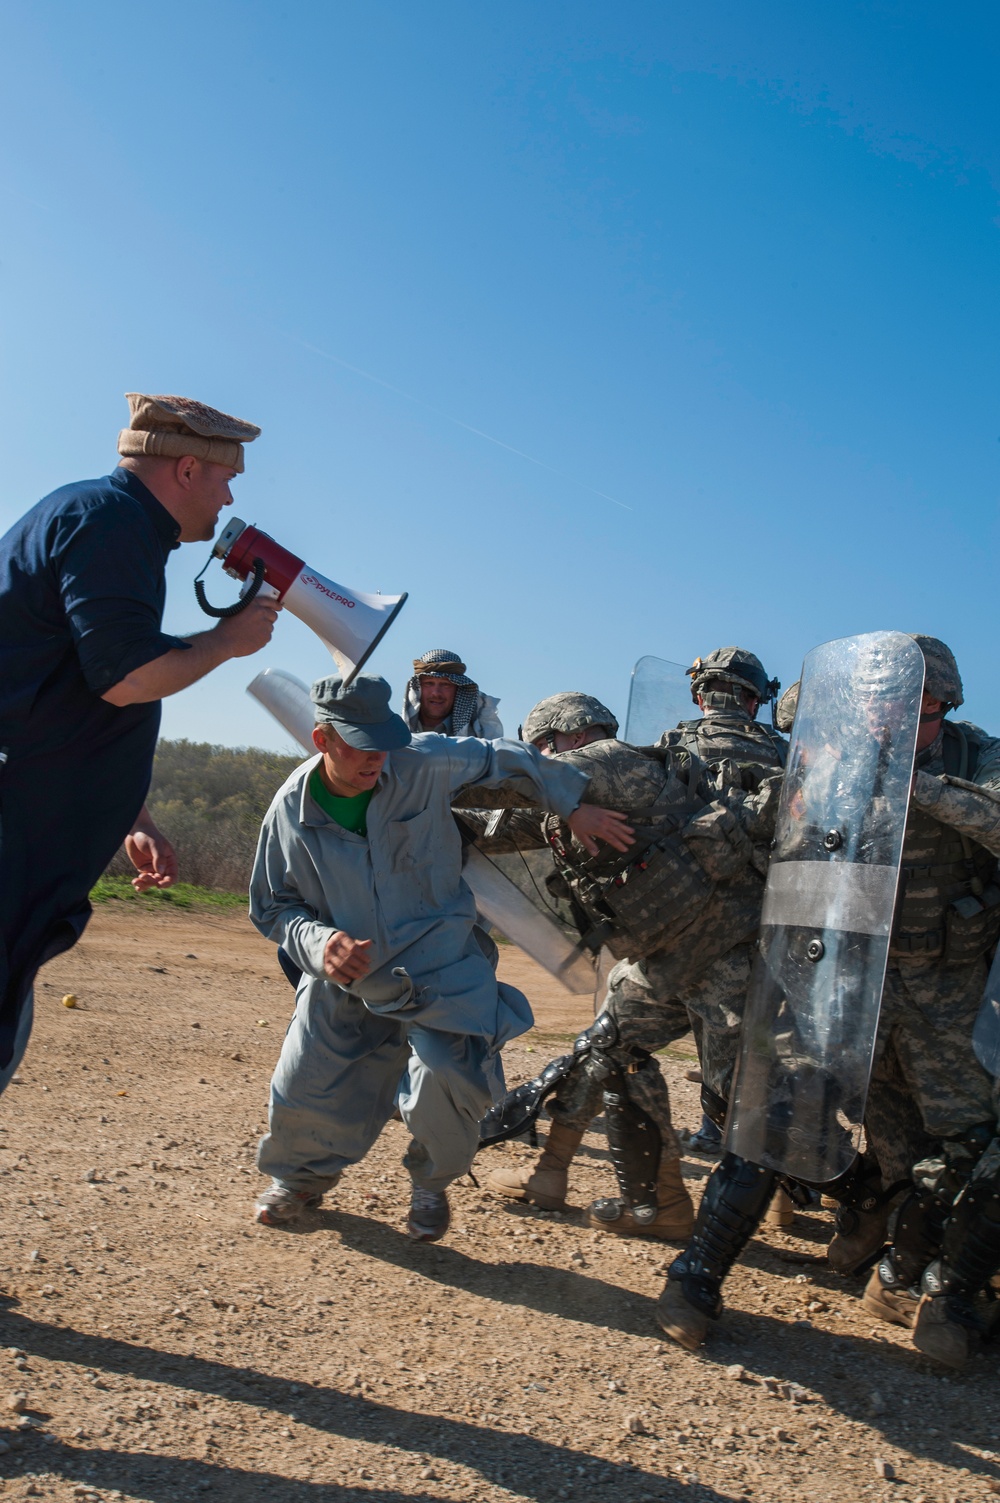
[
  {"x": 280, "y": 1207},
  {"x": 430, "y": 1215},
  {"x": 708, "y": 1145}
]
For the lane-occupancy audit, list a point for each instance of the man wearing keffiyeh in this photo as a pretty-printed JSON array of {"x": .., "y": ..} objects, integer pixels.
[{"x": 440, "y": 697}]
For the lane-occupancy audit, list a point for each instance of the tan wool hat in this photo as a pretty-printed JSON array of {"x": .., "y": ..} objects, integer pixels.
[{"x": 174, "y": 426}]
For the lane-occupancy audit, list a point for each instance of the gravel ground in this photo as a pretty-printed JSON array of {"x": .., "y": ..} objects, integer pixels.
[{"x": 156, "y": 1344}]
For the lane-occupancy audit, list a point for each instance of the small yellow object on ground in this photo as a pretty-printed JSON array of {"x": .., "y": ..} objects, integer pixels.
[{"x": 69, "y": 1000}]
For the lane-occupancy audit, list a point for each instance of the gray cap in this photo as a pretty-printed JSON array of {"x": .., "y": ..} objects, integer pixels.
[{"x": 360, "y": 713}]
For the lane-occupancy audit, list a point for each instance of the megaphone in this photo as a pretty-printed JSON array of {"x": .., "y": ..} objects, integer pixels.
[{"x": 348, "y": 623}]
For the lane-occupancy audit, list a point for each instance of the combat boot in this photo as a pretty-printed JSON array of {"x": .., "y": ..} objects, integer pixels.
[
  {"x": 948, "y": 1328},
  {"x": 862, "y": 1217},
  {"x": 679, "y": 1319},
  {"x": 545, "y": 1184},
  {"x": 736, "y": 1197},
  {"x": 781, "y": 1211},
  {"x": 890, "y": 1302},
  {"x": 957, "y": 1310},
  {"x": 673, "y": 1220}
]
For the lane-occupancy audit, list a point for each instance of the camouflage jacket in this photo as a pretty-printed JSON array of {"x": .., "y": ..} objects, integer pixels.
[
  {"x": 969, "y": 805},
  {"x": 948, "y": 905}
]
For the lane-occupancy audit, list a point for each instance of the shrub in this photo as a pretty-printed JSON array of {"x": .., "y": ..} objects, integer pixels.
[{"x": 209, "y": 801}]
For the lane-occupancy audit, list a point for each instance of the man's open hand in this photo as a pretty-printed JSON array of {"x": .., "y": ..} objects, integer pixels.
[
  {"x": 591, "y": 824},
  {"x": 152, "y": 855},
  {"x": 346, "y": 959}
]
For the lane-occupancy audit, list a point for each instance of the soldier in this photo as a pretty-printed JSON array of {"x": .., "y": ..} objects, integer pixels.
[
  {"x": 926, "y": 1086},
  {"x": 945, "y": 927},
  {"x": 695, "y": 973}
]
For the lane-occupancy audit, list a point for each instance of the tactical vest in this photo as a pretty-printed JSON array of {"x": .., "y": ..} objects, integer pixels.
[
  {"x": 751, "y": 749},
  {"x": 741, "y": 753},
  {"x": 634, "y": 899},
  {"x": 948, "y": 905},
  {"x": 657, "y": 897}
]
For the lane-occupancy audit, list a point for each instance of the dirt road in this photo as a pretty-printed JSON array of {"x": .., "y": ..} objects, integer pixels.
[{"x": 164, "y": 1347}]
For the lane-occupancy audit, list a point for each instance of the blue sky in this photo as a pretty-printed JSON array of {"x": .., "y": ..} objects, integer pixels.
[{"x": 733, "y": 267}]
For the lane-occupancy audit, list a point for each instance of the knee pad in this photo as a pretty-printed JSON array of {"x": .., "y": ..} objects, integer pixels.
[{"x": 602, "y": 1034}]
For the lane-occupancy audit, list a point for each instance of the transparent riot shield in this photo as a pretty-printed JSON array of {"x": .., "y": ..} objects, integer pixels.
[
  {"x": 659, "y": 696},
  {"x": 986, "y": 1033},
  {"x": 808, "y": 1035},
  {"x": 518, "y": 911}
]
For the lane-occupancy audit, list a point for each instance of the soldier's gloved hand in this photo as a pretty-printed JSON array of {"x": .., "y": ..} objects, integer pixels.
[{"x": 591, "y": 824}]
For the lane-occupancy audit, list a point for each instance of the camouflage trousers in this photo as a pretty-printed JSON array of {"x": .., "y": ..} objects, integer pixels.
[
  {"x": 926, "y": 1083},
  {"x": 648, "y": 1019}
]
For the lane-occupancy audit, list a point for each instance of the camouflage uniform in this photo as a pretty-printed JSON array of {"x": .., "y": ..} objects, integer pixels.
[
  {"x": 623, "y": 779},
  {"x": 945, "y": 1232},
  {"x": 654, "y": 1001},
  {"x": 931, "y": 1115},
  {"x": 927, "y": 1084},
  {"x": 939, "y": 960},
  {"x": 743, "y": 751}
]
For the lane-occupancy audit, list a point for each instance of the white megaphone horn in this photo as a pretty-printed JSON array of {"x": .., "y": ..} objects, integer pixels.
[{"x": 348, "y": 623}]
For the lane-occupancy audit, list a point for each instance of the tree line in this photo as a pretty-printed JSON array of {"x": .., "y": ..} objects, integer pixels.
[{"x": 209, "y": 801}]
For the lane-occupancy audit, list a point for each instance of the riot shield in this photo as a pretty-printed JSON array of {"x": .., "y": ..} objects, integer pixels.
[
  {"x": 517, "y": 913},
  {"x": 801, "y": 1082},
  {"x": 659, "y": 696},
  {"x": 520, "y": 919},
  {"x": 986, "y": 1033}
]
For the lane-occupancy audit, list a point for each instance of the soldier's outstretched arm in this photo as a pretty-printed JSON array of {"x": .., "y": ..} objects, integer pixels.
[
  {"x": 973, "y": 809},
  {"x": 499, "y": 832}
]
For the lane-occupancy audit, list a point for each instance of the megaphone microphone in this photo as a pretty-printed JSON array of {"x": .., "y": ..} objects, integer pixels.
[{"x": 350, "y": 624}]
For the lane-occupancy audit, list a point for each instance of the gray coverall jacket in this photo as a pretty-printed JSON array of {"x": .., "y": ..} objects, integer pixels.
[{"x": 400, "y": 886}]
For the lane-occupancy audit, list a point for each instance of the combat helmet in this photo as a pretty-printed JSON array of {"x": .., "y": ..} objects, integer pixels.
[
  {"x": 733, "y": 665},
  {"x": 942, "y": 679},
  {"x": 784, "y": 711},
  {"x": 567, "y": 713}
]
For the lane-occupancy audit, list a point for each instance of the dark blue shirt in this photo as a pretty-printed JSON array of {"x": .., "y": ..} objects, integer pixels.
[{"x": 82, "y": 592}]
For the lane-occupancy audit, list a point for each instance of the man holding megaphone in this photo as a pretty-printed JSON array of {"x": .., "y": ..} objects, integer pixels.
[{"x": 83, "y": 667}]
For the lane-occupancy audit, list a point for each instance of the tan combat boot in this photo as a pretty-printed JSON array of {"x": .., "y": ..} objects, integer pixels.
[
  {"x": 781, "y": 1211},
  {"x": 680, "y": 1320},
  {"x": 674, "y": 1220},
  {"x": 898, "y": 1307},
  {"x": 859, "y": 1236},
  {"x": 546, "y": 1184}
]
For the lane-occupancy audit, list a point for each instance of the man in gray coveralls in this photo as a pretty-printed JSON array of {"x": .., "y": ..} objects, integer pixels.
[{"x": 359, "y": 878}]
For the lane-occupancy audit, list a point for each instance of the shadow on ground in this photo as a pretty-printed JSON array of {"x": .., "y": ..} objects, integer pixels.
[{"x": 538, "y": 1469}]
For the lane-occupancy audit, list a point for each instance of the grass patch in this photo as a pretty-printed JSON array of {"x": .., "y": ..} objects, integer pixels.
[{"x": 182, "y": 895}]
